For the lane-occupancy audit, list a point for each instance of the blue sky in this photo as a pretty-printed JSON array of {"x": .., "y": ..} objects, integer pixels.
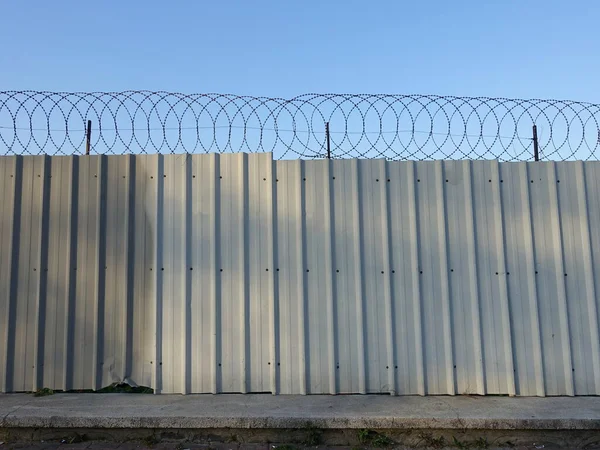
[{"x": 508, "y": 48}]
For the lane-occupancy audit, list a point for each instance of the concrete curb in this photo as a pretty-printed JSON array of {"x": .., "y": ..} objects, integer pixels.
[
  {"x": 295, "y": 423},
  {"x": 118, "y": 411}
]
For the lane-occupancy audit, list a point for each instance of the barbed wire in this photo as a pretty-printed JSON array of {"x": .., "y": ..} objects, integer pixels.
[{"x": 395, "y": 127}]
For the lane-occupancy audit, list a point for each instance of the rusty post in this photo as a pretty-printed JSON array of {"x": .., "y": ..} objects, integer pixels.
[
  {"x": 536, "y": 149},
  {"x": 88, "y": 138},
  {"x": 328, "y": 140}
]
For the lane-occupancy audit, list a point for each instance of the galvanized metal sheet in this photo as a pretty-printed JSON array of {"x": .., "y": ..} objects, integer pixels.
[{"x": 237, "y": 273}]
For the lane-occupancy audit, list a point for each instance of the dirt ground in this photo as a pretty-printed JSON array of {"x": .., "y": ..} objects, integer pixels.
[{"x": 228, "y": 446}]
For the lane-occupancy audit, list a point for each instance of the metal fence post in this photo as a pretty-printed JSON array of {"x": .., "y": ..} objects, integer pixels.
[
  {"x": 88, "y": 137},
  {"x": 536, "y": 150},
  {"x": 328, "y": 140}
]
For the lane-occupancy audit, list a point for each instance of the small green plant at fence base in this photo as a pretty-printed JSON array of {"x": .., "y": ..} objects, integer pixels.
[
  {"x": 150, "y": 440},
  {"x": 43, "y": 392},
  {"x": 124, "y": 388},
  {"x": 438, "y": 442},
  {"x": 479, "y": 443},
  {"x": 313, "y": 435},
  {"x": 457, "y": 443},
  {"x": 373, "y": 439},
  {"x": 433, "y": 442},
  {"x": 381, "y": 440},
  {"x": 5, "y": 436},
  {"x": 363, "y": 436}
]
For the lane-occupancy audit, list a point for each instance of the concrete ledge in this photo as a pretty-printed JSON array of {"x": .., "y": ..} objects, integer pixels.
[{"x": 263, "y": 411}]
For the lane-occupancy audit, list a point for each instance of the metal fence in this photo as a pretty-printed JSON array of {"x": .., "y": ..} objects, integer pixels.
[
  {"x": 395, "y": 127},
  {"x": 234, "y": 273}
]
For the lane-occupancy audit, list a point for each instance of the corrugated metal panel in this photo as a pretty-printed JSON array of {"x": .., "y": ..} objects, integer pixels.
[{"x": 237, "y": 273}]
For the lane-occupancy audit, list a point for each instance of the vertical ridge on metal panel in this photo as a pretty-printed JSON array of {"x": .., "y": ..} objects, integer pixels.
[
  {"x": 505, "y": 308},
  {"x": 533, "y": 289},
  {"x": 373, "y": 271},
  {"x": 14, "y": 255},
  {"x": 302, "y": 288},
  {"x": 416, "y": 280},
  {"x": 174, "y": 272},
  {"x": 273, "y": 290},
  {"x": 214, "y": 169},
  {"x": 547, "y": 277},
  {"x": 76, "y": 338},
  {"x": 328, "y": 273},
  {"x": 316, "y": 287},
  {"x": 345, "y": 280},
  {"x": 40, "y": 307},
  {"x": 313, "y": 314},
  {"x": 358, "y": 269},
  {"x": 591, "y": 287},
  {"x": 562, "y": 288},
  {"x": 5, "y": 266},
  {"x": 143, "y": 208},
  {"x": 116, "y": 272},
  {"x": 261, "y": 360},
  {"x": 466, "y": 343},
  {"x": 433, "y": 278},
  {"x": 282, "y": 284},
  {"x": 445, "y": 288},
  {"x": 592, "y": 180},
  {"x": 179, "y": 271},
  {"x": 491, "y": 270},
  {"x": 28, "y": 279},
  {"x": 520, "y": 259},
  {"x": 111, "y": 285},
  {"x": 387, "y": 281},
  {"x": 188, "y": 244},
  {"x": 72, "y": 181},
  {"x": 203, "y": 273},
  {"x": 157, "y": 383},
  {"x": 9, "y": 226},
  {"x": 290, "y": 276},
  {"x": 130, "y": 227},
  {"x": 100, "y": 281},
  {"x": 405, "y": 293},
  {"x": 82, "y": 326},
  {"x": 425, "y": 269},
  {"x": 225, "y": 243},
  {"x": 473, "y": 279},
  {"x": 257, "y": 362},
  {"x": 234, "y": 278},
  {"x": 580, "y": 286},
  {"x": 168, "y": 270},
  {"x": 57, "y": 282},
  {"x": 242, "y": 190},
  {"x": 16, "y": 352},
  {"x": 568, "y": 200}
]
